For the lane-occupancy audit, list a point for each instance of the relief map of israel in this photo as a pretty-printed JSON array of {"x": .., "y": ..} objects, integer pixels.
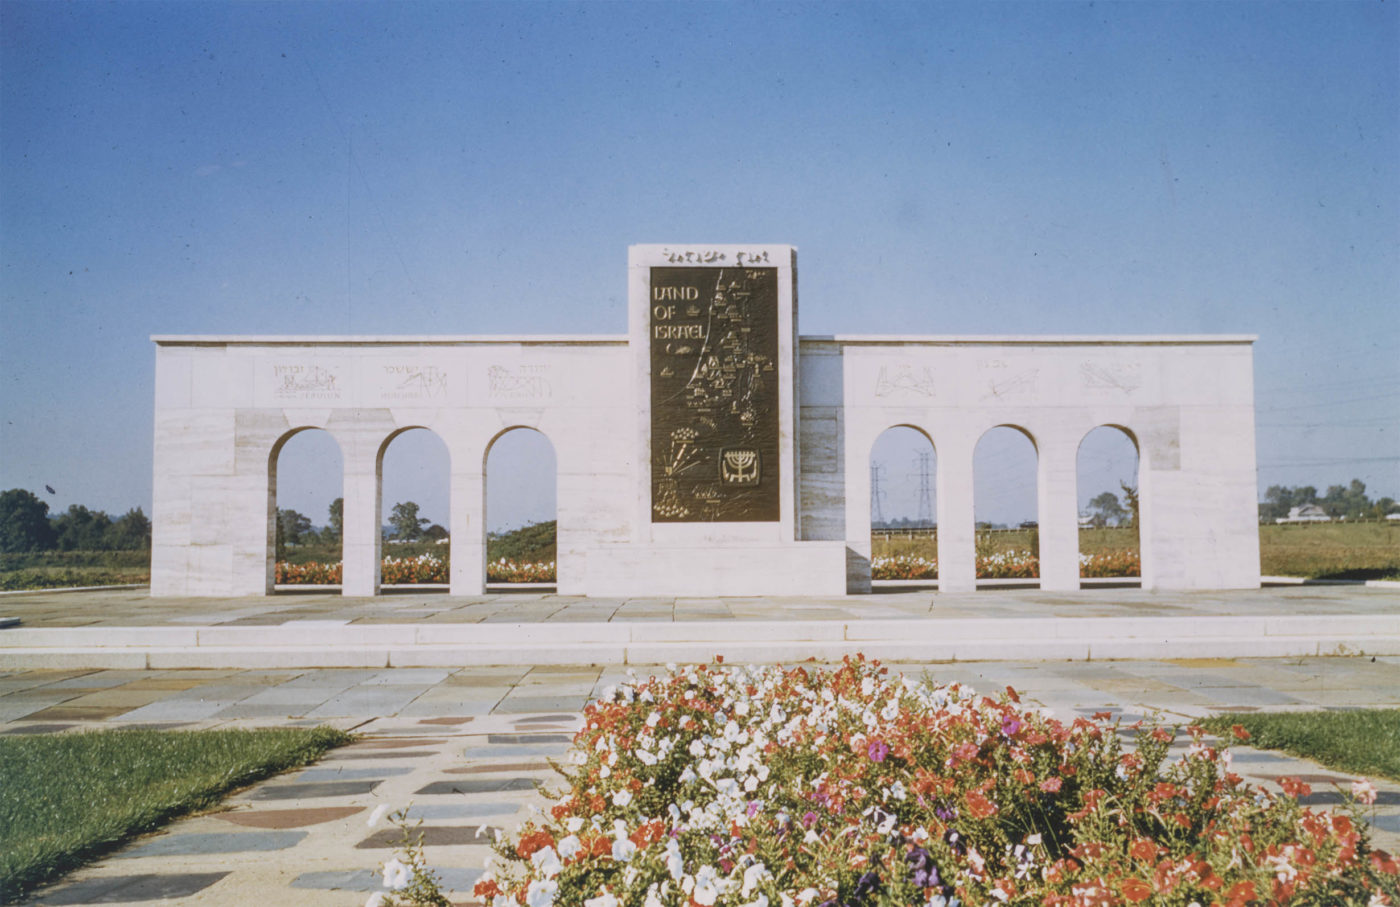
[{"x": 714, "y": 395}]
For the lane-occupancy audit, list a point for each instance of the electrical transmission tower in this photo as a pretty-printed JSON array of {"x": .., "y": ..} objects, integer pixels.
[
  {"x": 877, "y": 495},
  {"x": 925, "y": 494}
]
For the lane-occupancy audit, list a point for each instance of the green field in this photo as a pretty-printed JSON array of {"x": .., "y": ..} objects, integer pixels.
[
  {"x": 68, "y": 798},
  {"x": 1345, "y": 551},
  {"x": 1331, "y": 550}
]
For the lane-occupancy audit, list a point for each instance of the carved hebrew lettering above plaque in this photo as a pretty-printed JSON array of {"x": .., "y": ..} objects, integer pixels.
[{"x": 714, "y": 394}]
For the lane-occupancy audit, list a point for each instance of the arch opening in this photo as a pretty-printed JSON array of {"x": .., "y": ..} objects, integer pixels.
[
  {"x": 903, "y": 505},
  {"x": 305, "y": 526},
  {"x": 1006, "y": 508},
  {"x": 1107, "y": 481},
  {"x": 521, "y": 523},
  {"x": 415, "y": 507}
]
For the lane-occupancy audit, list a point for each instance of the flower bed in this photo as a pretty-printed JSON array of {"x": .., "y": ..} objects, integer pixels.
[
  {"x": 1125, "y": 562},
  {"x": 1006, "y": 565},
  {"x": 759, "y": 787},
  {"x": 311, "y": 573},
  {"x": 425, "y": 568},
  {"x": 504, "y": 571}
]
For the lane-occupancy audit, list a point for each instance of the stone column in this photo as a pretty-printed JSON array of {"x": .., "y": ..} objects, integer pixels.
[
  {"x": 1056, "y": 488},
  {"x": 363, "y": 540},
  {"x": 468, "y": 514},
  {"x": 957, "y": 524}
]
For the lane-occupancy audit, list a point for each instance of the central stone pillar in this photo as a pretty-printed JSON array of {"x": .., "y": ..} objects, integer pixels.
[{"x": 713, "y": 341}]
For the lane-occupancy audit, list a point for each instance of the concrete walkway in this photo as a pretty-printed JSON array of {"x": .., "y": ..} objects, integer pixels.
[
  {"x": 465, "y": 748},
  {"x": 901, "y": 623},
  {"x": 465, "y": 745}
]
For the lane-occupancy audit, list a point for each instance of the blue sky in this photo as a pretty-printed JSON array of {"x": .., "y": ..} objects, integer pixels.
[{"x": 481, "y": 168}]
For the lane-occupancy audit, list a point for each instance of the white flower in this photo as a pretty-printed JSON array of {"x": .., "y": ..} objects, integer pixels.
[
  {"x": 760, "y": 901},
  {"x": 546, "y": 862},
  {"x": 378, "y": 814},
  {"x": 806, "y": 895},
  {"x": 622, "y": 798},
  {"x": 574, "y": 823},
  {"x": 1364, "y": 791},
  {"x": 570, "y": 845},
  {"x": 623, "y": 849},
  {"x": 375, "y": 900},
  {"x": 541, "y": 893},
  {"x": 605, "y": 899},
  {"x": 675, "y": 865},
  {"x": 396, "y": 875},
  {"x": 645, "y": 757},
  {"x": 752, "y": 876}
]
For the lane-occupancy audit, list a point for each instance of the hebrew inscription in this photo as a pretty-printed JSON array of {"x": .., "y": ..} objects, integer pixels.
[
  {"x": 1123, "y": 376},
  {"x": 305, "y": 382},
  {"x": 413, "y": 382},
  {"x": 714, "y": 394},
  {"x": 904, "y": 379},
  {"x": 524, "y": 382}
]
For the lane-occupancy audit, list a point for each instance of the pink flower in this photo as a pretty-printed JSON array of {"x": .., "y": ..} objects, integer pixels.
[
  {"x": 878, "y": 750},
  {"x": 1364, "y": 791}
]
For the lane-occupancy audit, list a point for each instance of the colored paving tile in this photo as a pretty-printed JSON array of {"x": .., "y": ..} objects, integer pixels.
[
  {"x": 1387, "y": 823},
  {"x": 434, "y": 811},
  {"x": 385, "y": 754},
  {"x": 1334, "y": 798},
  {"x": 288, "y": 818},
  {"x": 447, "y": 720},
  {"x": 528, "y": 738},
  {"x": 436, "y": 835},
  {"x": 501, "y": 751},
  {"x": 125, "y": 889},
  {"x": 453, "y": 878},
  {"x": 351, "y": 774},
  {"x": 78, "y": 713},
  {"x": 214, "y": 842},
  {"x": 483, "y": 786},
  {"x": 314, "y": 790},
  {"x": 501, "y": 767},
  {"x": 37, "y": 729},
  {"x": 394, "y": 743}
]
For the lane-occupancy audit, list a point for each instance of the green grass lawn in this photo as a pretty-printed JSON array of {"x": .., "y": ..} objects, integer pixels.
[
  {"x": 67, "y": 798},
  {"x": 1331, "y": 550},
  {"x": 1365, "y": 741}
]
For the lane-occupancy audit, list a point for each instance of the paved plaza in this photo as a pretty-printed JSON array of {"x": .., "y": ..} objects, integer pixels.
[{"x": 464, "y": 748}]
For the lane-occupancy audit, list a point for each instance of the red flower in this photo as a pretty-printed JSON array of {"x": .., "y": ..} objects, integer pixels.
[
  {"x": 1239, "y": 732},
  {"x": 1051, "y": 785},
  {"x": 979, "y": 806},
  {"x": 1294, "y": 787},
  {"x": 1136, "y": 889}
]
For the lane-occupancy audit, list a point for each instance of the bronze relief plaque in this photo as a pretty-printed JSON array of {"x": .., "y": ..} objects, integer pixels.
[{"x": 714, "y": 395}]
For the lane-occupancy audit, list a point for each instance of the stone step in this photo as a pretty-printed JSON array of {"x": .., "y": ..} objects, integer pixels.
[{"x": 334, "y": 644}]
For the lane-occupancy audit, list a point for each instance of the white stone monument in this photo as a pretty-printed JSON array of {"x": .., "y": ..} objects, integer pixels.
[{"x": 711, "y": 450}]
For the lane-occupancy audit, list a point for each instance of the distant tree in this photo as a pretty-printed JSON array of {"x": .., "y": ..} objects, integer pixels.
[
  {"x": 335, "y": 529},
  {"x": 24, "y": 522},
  {"x": 1105, "y": 510},
  {"x": 129, "y": 532},
  {"x": 291, "y": 528},
  {"x": 80, "y": 529},
  {"x": 408, "y": 525},
  {"x": 1383, "y": 507},
  {"x": 1130, "y": 495},
  {"x": 435, "y": 533}
]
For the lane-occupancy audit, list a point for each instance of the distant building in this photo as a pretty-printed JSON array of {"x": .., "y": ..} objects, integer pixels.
[{"x": 1305, "y": 513}]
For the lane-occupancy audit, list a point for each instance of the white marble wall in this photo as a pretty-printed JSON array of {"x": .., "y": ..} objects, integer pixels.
[{"x": 225, "y": 405}]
